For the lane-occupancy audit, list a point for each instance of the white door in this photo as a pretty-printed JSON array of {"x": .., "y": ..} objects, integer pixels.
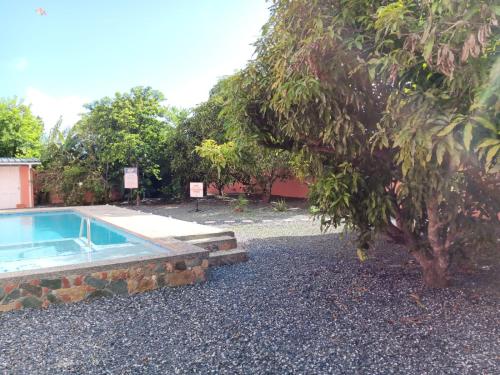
[{"x": 10, "y": 187}]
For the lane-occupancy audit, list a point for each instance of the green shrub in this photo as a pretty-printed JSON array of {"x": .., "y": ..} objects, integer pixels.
[
  {"x": 280, "y": 205},
  {"x": 240, "y": 204}
]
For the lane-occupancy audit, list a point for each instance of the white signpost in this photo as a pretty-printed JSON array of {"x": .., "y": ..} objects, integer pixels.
[
  {"x": 131, "y": 180},
  {"x": 196, "y": 191}
]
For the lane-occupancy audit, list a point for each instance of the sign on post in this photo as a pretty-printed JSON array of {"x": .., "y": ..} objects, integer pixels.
[
  {"x": 196, "y": 189},
  {"x": 130, "y": 178}
]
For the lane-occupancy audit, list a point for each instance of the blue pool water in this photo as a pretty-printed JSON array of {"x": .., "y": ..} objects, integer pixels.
[{"x": 49, "y": 239}]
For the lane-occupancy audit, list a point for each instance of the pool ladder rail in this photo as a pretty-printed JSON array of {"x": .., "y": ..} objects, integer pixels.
[{"x": 86, "y": 221}]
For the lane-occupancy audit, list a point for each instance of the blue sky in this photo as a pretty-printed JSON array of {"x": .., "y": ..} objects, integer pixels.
[{"x": 84, "y": 50}]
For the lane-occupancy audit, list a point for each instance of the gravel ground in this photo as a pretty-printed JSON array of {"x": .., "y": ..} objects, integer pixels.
[
  {"x": 302, "y": 304},
  {"x": 217, "y": 212}
]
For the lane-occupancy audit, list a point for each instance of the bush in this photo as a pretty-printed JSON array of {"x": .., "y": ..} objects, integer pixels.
[
  {"x": 280, "y": 205},
  {"x": 240, "y": 204}
]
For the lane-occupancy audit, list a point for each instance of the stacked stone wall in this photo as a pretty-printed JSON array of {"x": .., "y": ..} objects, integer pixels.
[{"x": 32, "y": 291}]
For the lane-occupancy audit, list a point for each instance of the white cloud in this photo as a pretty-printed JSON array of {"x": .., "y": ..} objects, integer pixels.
[
  {"x": 21, "y": 64},
  {"x": 191, "y": 92},
  {"x": 50, "y": 108}
]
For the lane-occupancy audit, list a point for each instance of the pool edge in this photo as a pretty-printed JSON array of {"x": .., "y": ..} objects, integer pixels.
[{"x": 185, "y": 264}]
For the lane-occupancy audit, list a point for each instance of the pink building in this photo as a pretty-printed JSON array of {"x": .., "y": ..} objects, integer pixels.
[{"x": 16, "y": 183}]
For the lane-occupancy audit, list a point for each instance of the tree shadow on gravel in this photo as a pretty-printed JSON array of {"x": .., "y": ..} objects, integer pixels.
[
  {"x": 388, "y": 267},
  {"x": 301, "y": 304}
]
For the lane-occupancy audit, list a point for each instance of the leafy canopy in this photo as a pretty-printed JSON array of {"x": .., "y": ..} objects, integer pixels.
[
  {"x": 20, "y": 130},
  {"x": 130, "y": 129},
  {"x": 238, "y": 156},
  {"x": 394, "y": 108}
]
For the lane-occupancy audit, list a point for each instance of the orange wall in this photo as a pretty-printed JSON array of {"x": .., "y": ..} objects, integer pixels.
[
  {"x": 27, "y": 196},
  {"x": 290, "y": 188},
  {"x": 88, "y": 198},
  {"x": 229, "y": 189}
]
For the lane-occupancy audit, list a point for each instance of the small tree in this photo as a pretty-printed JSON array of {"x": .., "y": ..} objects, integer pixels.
[
  {"x": 201, "y": 123},
  {"x": 222, "y": 159},
  {"x": 264, "y": 166},
  {"x": 245, "y": 161}
]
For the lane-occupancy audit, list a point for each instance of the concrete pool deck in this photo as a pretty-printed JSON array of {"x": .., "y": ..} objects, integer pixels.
[
  {"x": 190, "y": 248},
  {"x": 143, "y": 224},
  {"x": 149, "y": 225}
]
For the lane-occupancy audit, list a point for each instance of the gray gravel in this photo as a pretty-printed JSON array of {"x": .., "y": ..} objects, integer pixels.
[
  {"x": 216, "y": 211},
  {"x": 302, "y": 304}
]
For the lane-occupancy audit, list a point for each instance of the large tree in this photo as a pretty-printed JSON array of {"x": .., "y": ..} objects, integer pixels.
[
  {"x": 20, "y": 130},
  {"x": 394, "y": 108},
  {"x": 128, "y": 130}
]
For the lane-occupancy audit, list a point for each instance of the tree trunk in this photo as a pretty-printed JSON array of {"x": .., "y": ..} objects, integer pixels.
[
  {"x": 435, "y": 276},
  {"x": 441, "y": 237},
  {"x": 435, "y": 259},
  {"x": 107, "y": 190},
  {"x": 266, "y": 194},
  {"x": 220, "y": 188},
  {"x": 268, "y": 189},
  {"x": 434, "y": 269}
]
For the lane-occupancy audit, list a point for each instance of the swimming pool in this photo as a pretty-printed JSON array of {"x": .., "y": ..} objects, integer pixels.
[{"x": 38, "y": 240}]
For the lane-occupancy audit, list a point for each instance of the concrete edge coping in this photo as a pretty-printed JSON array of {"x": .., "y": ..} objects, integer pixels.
[{"x": 228, "y": 233}]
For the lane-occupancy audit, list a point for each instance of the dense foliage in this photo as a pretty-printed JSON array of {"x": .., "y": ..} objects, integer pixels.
[
  {"x": 171, "y": 147},
  {"x": 237, "y": 157},
  {"x": 129, "y": 130},
  {"x": 394, "y": 108},
  {"x": 20, "y": 130},
  {"x": 201, "y": 123},
  {"x": 71, "y": 171}
]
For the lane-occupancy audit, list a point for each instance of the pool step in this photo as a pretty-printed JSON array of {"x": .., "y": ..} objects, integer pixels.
[
  {"x": 202, "y": 236},
  {"x": 226, "y": 257},
  {"x": 222, "y": 243},
  {"x": 223, "y": 249}
]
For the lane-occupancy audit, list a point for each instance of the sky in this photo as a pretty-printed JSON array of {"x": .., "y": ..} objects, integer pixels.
[{"x": 81, "y": 51}]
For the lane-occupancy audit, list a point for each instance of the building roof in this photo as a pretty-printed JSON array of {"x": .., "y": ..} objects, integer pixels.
[{"x": 18, "y": 161}]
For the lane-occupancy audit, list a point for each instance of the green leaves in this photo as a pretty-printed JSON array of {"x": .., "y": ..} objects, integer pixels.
[
  {"x": 392, "y": 18},
  {"x": 448, "y": 129},
  {"x": 220, "y": 156},
  {"x": 468, "y": 135},
  {"x": 485, "y": 123},
  {"x": 20, "y": 130},
  {"x": 488, "y": 142},
  {"x": 493, "y": 152},
  {"x": 385, "y": 116},
  {"x": 427, "y": 50},
  {"x": 127, "y": 130}
]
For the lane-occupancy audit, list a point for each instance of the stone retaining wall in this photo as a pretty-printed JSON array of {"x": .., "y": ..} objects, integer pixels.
[{"x": 33, "y": 291}]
